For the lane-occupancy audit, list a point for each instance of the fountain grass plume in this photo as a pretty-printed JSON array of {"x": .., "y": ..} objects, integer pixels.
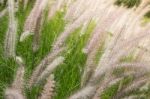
[
  {"x": 89, "y": 66},
  {"x": 19, "y": 79},
  {"x": 106, "y": 84},
  {"x": 13, "y": 94},
  {"x": 106, "y": 64},
  {"x": 133, "y": 66},
  {"x": 122, "y": 22},
  {"x": 135, "y": 96},
  {"x": 87, "y": 15},
  {"x": 16, "y": 91},
  {"x": 85, "y": 93},
  {"x": 10, "y": 38},
  {"x": 79, "y": 7},
  {"x": 37, "y": 33},
  {"x": 48, "y": 90},
  {"x": 110, "y": 81},
  {"x": 96, "y": 86},
  {"x": 71, "y": 8},
  {"x": 32, "y": 19},
  {"x": 129, "y": 44},
  {"x": 42, "y": 65},
  {"x": 102, "y": 70},
  {"x": 50, "y": 68},
  {"x": 101, "y": 30},
  {"x": 106, "y": 55},
  {"x": 107, "y": 58},
  {"x": 119, "y": 24},
  {"x": 134, "y": 86}
]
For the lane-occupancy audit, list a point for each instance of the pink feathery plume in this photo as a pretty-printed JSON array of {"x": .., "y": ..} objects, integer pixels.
[
  {"x": 48, "y": 90},
  {"x": 10, "y": 39},
  {"x": 86, "y": 16},
  {"x": 17, "y": 87},
  {"x": 37, "y": 35},
  {"x": 32, "y": 19},
  {"x": 100, "y": 29},
  {"x": 90, "y": 66},
  {"x": 50, "y": 68},
  {"x": 80, "y": 8},
  {"x": 109, "y": 61},
  {"x": 135, "y": 96},
  {"x": 135, "y": 85},
  {"x": 85, "y": 93},
  {"x": 107, "y": 83},
  {"x": 13, "y": 94},
  {"x": 92, "y": 86},
  {"x": 129, "y": 45},
  {"x": 42, "y": 65},
  {"x": 72, "y": 8}
]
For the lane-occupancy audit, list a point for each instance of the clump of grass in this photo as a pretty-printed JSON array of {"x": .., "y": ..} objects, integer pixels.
[{"x": 62, "y": 42}]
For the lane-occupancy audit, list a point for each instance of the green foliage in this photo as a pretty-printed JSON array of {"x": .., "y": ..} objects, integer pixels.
[
  {"x": 128, "y": 3},
  {"x": 68, "y": 75},
  {"x": 147, "y": 14},
  {"x": 50, "y": 32}
]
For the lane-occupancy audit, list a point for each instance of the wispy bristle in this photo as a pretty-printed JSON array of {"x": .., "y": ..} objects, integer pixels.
[
  {"x": 13, "y": 94},
  {"x": 90, "y": 65},
  {"x": 19, "y": 79},
  {"x": 10, "y": 39},
  {"x": 16, "y": 91},
  {"x": 85, "y": 93},
  {"x": 32, "y": 19},
  {"x": 134, "y": 86},
  {"x": 37, "y": 33},
  {"x": 48, "y": 90},
  {"x": 50, "y": 68}
]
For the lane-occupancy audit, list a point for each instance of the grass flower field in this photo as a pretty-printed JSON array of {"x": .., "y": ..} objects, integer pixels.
[{"x": 74, "y": 49}]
